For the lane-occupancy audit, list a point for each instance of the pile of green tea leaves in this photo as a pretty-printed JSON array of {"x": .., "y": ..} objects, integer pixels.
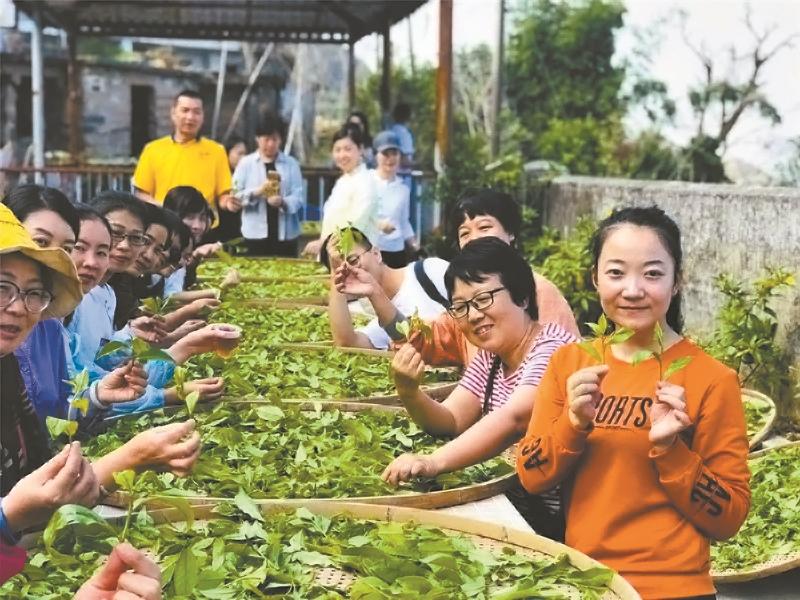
[
  {"x": 279, "y": 451},
  {"x": 772, "y": 528},
  {"x": 240, "y": 554},
  {"x": 313, "y": 288},
  {"x": 250, "y": 267},
  {"x": 756, "y": 415},
  {"x": 275, "y": 373},
  {"x": 267, "y": 326}
]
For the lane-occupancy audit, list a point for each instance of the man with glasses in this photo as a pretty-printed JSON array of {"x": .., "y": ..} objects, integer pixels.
[{"x": 417, "y": 288}]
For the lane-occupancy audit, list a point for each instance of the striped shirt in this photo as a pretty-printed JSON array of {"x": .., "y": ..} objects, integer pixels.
[{"x": 529, "y": 372}]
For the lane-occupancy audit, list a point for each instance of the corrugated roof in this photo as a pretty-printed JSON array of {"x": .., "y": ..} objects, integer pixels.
[{"x": 313, "y": 21}]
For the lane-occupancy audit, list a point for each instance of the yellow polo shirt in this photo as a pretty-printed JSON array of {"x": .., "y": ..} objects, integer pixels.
[{"x": 201, "y": 163}]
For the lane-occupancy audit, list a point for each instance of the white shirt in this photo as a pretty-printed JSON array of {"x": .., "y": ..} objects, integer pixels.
[
  {"x": 352, "y": 203},
  {"x": 410, "y": 298},
  {"x": 394, "y": 205}
]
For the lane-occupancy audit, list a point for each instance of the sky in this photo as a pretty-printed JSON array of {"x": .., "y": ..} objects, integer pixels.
[{"x": 714, "y": 24}]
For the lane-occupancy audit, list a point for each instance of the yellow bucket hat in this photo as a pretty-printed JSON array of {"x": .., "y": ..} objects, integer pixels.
[{"x": 66, "y": 287}]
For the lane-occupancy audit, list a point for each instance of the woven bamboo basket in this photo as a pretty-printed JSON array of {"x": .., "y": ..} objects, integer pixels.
[
  {"x": 437, "y": 499},
  {"x": 772, "y": 565},
  {"x": 487, "y": 536},
  {"x": 759, "y": 399}
]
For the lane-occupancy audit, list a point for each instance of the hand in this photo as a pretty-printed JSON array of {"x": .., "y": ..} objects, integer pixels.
[
  {"x": 67, "y": 478},
  {"x": 149, "y": 328},
  {"x": 174, "y": 447},
  {"x": 187, "y": 328},
  {"x": 668, "y": 415},
  {"x": 230, "y": 203},
  {"x": 275, "y": 201},
  {"x": 408, "y": 369},
  {"x": 210, "y": 388},
  {"x": 312, "y": 248},
  {"x": 201, "y": 307},
  {"x": 206, "y": 339},
  {"x": 385, "y": 225},
  {"x": 354, "y": 281},
  {"x": 583, "y": 394},
  {"x": 408, "y": 466},
  {"x": 207, "y": 250},
  {"x": 128, "y": 574},
  {"x": 123, "y": 384}
]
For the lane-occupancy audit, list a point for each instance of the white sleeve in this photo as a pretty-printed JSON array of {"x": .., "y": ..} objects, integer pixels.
[{"x": 376, "y": 334}]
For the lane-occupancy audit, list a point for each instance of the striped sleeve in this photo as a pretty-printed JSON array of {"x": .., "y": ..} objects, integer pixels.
[
  {"x": 552, "y": 337},
  {"x": 476, "y": 374}
]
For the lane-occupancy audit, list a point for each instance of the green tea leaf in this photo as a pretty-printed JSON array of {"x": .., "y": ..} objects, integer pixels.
[
  {"x": 110, "y": 348},
  {"x": 621, "y": 334},
  {"x": 191, "y": 401},
  {"x": 184, "y": 578},
  {"x": 81, "y": 405},
  {"x": 676, "y": 365},
  {"x": 641, "y": 356},
  {"x": 589, "y": 348},
  {"x": 59, "y": 427},
  {"x": 658, "y": 336},
  {"x": 125, "y": 479},
  {"x": 245, "y": 504}
]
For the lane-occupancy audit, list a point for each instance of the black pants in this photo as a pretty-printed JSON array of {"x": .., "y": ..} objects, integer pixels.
[
  {"x": 537, "y": 514},
  {"x": 270, "y": 247},
  {"x": 395, "y": 260}
]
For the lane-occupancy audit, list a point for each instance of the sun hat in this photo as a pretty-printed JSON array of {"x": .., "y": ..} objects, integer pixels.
[
  {"x": 66, "y": 287},
  {"x": 386, "y": 140}
]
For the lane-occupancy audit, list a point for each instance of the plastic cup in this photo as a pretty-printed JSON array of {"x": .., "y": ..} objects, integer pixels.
[{"x": 226, "y": 344}]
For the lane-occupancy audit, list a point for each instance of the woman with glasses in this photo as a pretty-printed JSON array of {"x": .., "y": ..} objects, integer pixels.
[
  {"x": 493, "y": 302},
  {"x": 416, "y": 288}
]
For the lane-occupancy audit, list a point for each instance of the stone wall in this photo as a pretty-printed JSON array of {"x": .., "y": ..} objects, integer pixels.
[{"x": 725, "y": 228}]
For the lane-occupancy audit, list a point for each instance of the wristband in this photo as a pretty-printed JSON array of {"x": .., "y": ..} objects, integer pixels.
[
  {"x": 96, "y": 402},
  {"x": 391, "y": 327},
  {"x": 6, "y": 533}
]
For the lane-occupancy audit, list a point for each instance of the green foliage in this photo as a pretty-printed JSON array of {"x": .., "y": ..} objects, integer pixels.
[
  {"x": 249, "y": 267},
  {"x": 772, "y": 528},
  {"x": 746, "y": 325},
  {"x": 658, "y": 341},
  {"x": 280, "y": 451},
  {"x": 756, "y": 415},
  {"x": 236, "y": 556},
  {"x": 567, "y": 262},
  {"x": 414, "y": 324},
  {"x": 649, "y": 156},
  {"x": 137, "y": 349},
  {"x": 313, "y": 288},
  {"x": 606, "y": 339},
  {"x": 585, "y": 145}
]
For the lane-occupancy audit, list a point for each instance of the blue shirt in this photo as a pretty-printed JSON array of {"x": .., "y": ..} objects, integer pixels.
[{"x": 43, "y": 364}]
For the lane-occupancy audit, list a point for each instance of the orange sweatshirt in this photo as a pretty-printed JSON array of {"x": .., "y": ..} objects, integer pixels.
[
  {"x": 448, "y": 346},
  {"x": 647, "y": 515}
]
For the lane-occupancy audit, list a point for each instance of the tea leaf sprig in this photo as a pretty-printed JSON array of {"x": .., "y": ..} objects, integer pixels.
[
  {"x": 156, "y": 307},
  {"x": 58, "y": 427},
  {"x": 179, "y": 378},
  {"x": 346, "y": 239},
  {"x": 137, "y": 349},
  {"x": 600, "y": 331},
  {"x": 673, "y": 367},
  {"x": 415, "y": 324}
]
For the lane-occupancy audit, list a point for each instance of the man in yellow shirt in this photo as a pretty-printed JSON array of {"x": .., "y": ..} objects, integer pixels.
[{"x": 185, "y": 158}]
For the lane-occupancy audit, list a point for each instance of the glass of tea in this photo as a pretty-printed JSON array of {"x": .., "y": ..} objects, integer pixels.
[{"x": 226, "y": 339}]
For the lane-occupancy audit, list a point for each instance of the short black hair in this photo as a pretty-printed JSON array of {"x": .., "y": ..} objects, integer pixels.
[
  {"x": 24, "y": 200},
  {"x": 186, "y": 200},
  {"x": 360, "y": 238},
  {"x": 111, "y": 200},
  {"x": 187, "y": 93},
  {"x": 492, "y": 256},
  {"x": 486, "y": 201},
  {"x": 349, "y": 130},
  {"x": 89, "y": 213},
  {"x": 271, "y": 124},
  {"x": 155, "y": 215}
]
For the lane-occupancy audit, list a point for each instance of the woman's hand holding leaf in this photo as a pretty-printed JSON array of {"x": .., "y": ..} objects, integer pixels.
[
  {"x": 312, "y": 248},
  {"x": 183, "y": 330},
  {"x": 149, "y": 328},
  {"x": 128, "y": 574},
  {"x": 200, "y": 341},
  {"x": 668, "y": 415},
  {"x": 174, "y": 447},
  {"x": 354, "y": 281},
  {"x": 583, "y": 394},
  {"x": 408, "y": 370},
  {"x": 123, "y": 384},
  {"x": 67, "y": 478},
  {"x": 408, "y": 466},
  {"x": 209, "y": 388}
]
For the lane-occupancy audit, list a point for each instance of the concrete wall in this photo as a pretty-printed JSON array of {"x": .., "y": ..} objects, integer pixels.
[{"x": 724, "y": 228}]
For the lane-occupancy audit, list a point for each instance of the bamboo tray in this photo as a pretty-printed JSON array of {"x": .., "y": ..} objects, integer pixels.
[
  {"x": 771, "y": 566},
  {"x": 277, "y": 301},
  {"x": 487, "y": 536},
  {"x": 754, "y": 397},
  {"x": 437, "y": 499}
]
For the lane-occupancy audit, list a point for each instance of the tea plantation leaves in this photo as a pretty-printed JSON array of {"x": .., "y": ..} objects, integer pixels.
[
  {"x": 272, "y": 451},
  {"x": 772, "y": 527},
  {"x": 756, "y": 415},
  {"x": 235, "y": 557},
  {"x": 248, "y": 267},
  {"x": 278, "y": 289}
]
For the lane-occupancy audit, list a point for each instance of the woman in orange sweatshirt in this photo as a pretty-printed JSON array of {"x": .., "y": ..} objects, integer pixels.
[{"x": 652, "y": 470}]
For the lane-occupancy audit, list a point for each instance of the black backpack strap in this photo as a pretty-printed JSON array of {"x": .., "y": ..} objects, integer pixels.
[
  {"x": 487, "y": 392},
  {"x": 427, "y": 284}
]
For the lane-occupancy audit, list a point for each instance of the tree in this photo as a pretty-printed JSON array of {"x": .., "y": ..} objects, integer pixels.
[{"x": 561, "y": 80}]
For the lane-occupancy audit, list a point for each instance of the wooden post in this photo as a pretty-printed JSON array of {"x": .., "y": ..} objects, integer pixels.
[
  {"x": 386, "y": 75},
  {"x": 497, "y": 77},
  {"x": 37, "y": 96},
  {"x": 74, "y": 100},
  {"x": 444, "y": 80},
  {"x": 351, "y": 77},
  {"x": 223, "y": 68}
]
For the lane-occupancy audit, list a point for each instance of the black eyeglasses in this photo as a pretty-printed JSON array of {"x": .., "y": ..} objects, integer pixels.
[
  {"x": 481, "y": 301},
  {"x": 135, "y": 239},
  {"x": 35, "y": 300},
  {"x": 354, "y": 260}
]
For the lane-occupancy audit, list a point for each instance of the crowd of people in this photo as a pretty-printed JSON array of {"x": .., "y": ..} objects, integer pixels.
[{"x": 638, "y": 470}]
